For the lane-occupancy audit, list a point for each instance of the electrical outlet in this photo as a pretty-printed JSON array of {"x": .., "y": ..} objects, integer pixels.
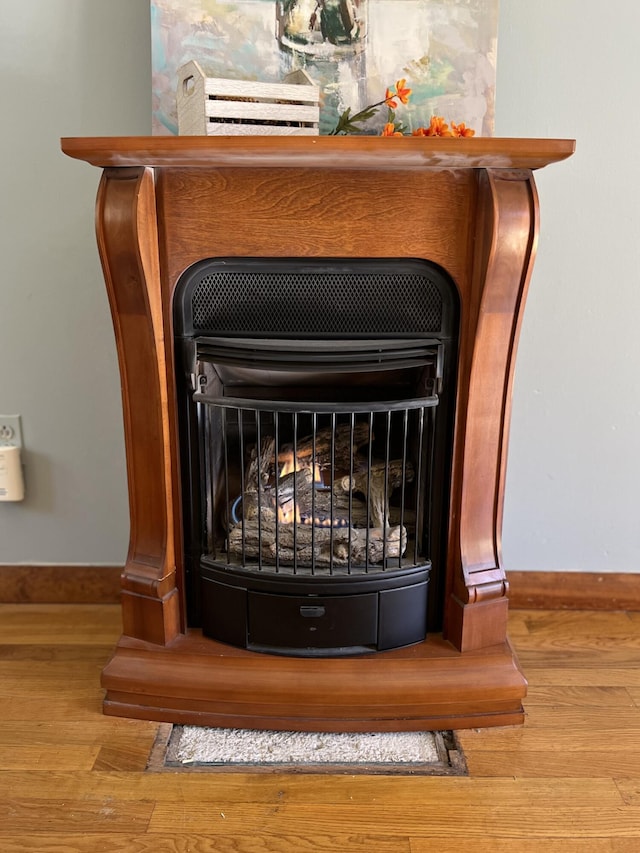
[{"x": 10, "y": 431}]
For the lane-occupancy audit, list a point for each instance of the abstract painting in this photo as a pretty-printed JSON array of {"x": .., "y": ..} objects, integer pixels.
[{"x": 354, "y": 50}]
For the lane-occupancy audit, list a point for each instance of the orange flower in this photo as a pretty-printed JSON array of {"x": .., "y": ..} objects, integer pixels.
[
  {"x": 438, "y": 127},
  {"x": 461, "y": 130},
  {"x": 390, "y": 130},
  {"x": 420, "y": 131},
  {"x": 401, "y": 92}
]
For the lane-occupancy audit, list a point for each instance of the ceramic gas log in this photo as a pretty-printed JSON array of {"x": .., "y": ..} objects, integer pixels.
[{"x": 321, "y": 503}]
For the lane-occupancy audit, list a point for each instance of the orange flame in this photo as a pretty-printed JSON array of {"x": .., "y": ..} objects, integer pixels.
[
  {"x": 291, "y": 464},
  {"x": 289, "y": 513}
]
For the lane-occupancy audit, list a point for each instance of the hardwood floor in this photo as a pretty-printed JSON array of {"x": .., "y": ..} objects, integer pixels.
[{"x": 568, "y": 781}]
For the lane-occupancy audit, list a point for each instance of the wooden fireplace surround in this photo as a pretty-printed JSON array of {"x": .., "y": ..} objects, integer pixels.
[{"x": 468, "y": 205}]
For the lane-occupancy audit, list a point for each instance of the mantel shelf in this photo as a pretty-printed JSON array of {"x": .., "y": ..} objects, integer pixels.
[{"x": 324, "y": 152}]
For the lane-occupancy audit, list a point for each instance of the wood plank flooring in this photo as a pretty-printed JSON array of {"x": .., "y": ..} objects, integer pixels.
[{"x": 568, "y": 781}]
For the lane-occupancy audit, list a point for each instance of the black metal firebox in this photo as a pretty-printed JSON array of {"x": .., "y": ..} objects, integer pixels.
[{"x": 315, "y": 401}]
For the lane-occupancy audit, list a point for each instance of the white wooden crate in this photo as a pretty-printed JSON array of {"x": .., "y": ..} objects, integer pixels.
[{"x": 214, "y": 106}]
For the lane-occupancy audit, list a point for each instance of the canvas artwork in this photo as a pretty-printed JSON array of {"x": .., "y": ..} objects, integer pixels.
[{"x": 354, "y": 50}]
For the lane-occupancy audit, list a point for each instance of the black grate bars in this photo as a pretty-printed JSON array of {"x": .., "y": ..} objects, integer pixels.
[{"x": 319, "y": 493}]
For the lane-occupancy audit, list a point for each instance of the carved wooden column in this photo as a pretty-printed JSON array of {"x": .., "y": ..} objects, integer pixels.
[
  {"x": 128, "y": 245},
  {"x": 506, "y": 235}
]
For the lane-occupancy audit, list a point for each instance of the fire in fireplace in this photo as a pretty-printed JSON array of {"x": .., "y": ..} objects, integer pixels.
[{"x": 316, "y": 424}]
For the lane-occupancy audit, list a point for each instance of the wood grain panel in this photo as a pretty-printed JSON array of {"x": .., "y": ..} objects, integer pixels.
[
  {"x": 444, "y": 844},
  {"x": 298, "y": 213},
  {"x": 56, "y": 625},
  {"x": 190, "y": 843},
  {"x": 551, "y": 819},
  {"x": 29, "y": 815},
  {"x": 612, "y": 698},
  {"x": 267, "y": 788}
]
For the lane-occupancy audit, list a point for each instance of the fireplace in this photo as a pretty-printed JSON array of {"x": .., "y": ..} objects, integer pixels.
[
  {"x": 316, "y": 339},
  {"x": 316, "y": 446}
]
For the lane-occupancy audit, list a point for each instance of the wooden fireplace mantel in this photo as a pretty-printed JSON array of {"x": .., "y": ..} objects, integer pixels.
[
  {"x": 319, "y": 152},
  {"x": 468, "y": 205}
]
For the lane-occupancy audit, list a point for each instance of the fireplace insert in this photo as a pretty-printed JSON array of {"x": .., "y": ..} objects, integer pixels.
[{"x": 316, "y": 406}]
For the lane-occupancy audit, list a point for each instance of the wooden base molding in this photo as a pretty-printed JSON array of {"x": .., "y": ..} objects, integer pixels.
[
  {"x": 574, "y": 590},
  {"x": 57, "y": 584}
]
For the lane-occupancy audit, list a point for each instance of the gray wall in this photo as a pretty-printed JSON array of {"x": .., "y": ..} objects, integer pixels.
[
  {"x": 566, "y": 69},
  {"x": 68, "y": 68},
  {"x": 82, "y": 68}
]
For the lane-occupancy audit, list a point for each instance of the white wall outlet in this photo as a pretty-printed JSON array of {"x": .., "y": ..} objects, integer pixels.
[
  {"x": 11, "y": 476},
  {"x": 10, "y": 431}
]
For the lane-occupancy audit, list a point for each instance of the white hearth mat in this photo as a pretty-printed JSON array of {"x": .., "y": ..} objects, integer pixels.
[{"x": 202, "y": 748}]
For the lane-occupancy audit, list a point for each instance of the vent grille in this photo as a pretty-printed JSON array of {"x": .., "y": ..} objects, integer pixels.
[{"x": 283, "y": 303}]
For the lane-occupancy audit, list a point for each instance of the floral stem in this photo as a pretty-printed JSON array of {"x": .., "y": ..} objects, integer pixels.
[{"x": 346, "y": 122}]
